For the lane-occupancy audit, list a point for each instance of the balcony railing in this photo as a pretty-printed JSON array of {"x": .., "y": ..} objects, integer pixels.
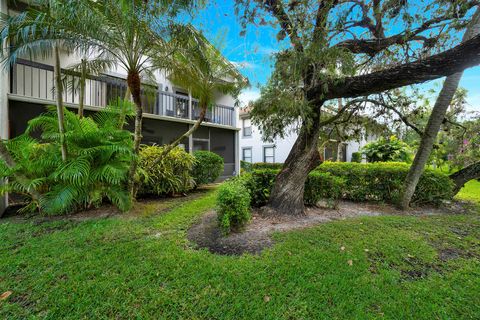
[{"x": 36, "y": 80}]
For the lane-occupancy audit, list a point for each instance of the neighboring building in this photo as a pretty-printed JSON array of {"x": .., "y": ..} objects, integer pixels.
[
  {"x": 254, "y": 149},
  {"x": 28, "y": 86}
]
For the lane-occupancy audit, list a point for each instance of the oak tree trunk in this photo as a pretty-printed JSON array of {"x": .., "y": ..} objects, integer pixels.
[
  {"x": 134, "y": 85},
  {"x": 434, "y": 122},
  {"x": 287, "y": 194},
  {"x": 59, "y": 103},
  {"x": 464, "y": 175}
]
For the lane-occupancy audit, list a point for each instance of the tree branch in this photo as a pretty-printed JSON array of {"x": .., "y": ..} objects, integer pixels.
[{"x": 459, "y": 58}]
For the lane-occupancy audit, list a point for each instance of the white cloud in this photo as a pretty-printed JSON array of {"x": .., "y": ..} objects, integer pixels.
[{"x": 247, "y": 96}]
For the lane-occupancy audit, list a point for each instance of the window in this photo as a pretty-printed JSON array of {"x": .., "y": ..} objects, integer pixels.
[
  {"x": 247, "y": 154},
  {"x": 247, "y": 128},
  {"x": 269, "y": 154}
]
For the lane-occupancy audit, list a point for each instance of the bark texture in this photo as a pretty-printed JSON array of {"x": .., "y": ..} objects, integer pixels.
[
  {"x": 59, "y": 103},
  {"x": 134, "y": 85},
  {"x": 466, "y": 174},
  {"x": 429, "y": 136},
  {"x": 287, "y": 194}
]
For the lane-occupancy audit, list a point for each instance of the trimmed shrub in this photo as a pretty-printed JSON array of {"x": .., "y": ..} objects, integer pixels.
[
  {"x": 318, "y": 186},
  {"x": 264, "y": 165},
  {"x": 356, "y": 157},
  {"x": 169, "y": 176},
  {"x": 382, "y": 181},
  {"x": 323, "y": 185},
  {"x": 259, "y": 183},
  {"x": 207, "y": 168},
  {"x": 245, "y": 166},
  {"x": 233, "y": 205}
]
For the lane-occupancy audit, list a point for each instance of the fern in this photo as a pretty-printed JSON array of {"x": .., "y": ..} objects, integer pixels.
[{"x": 100, "y": 152}]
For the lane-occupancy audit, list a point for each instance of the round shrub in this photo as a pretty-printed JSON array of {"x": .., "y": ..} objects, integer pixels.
[
  {"x": 207, "y": 168},
  {"x": 385, "y": 150},
  {"x": 169, "y": 176},
  {"x": 233, "y": 205},
  {"x": 357, "y": 157}
]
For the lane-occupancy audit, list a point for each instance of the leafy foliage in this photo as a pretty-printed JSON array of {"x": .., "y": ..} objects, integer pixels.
[
  {"x": 233, "y": 205},
  {"x": 169, "y": 176},
  {"x": 100, "y": 152},
  {"x": 323, "y": 185},
  {"x": 382, "y": 181},
  {"x": 356, "y": 157},
  {"x": 265, "y": 165},
  {"x": 384, "y": 150},
  {"x": 319, "y": 185},
  {"x": 207, "y": 168}
]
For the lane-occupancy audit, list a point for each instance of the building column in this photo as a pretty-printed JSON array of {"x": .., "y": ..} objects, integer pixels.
[
  {"x": 4, "y": 88},
  {"x": 237, "y": 152}
]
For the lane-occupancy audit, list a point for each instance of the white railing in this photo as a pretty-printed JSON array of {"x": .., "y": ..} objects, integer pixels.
[{"x": 36, "y": 80}]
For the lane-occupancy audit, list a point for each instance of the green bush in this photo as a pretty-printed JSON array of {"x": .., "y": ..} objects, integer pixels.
[
  {"x": 382, "y": 181},
  {"x": 259, "y": 183},
  {"x": 169, "y": 176},
  {"x": 233, "y": 205},
  {"x": 356, "y": 157},
  {"x": 245, "y": 166},
  {"x": 96, "y": 168},
  {"x": 207, "y": 168},
  {"x": 265, "y": 165},
  {"x": 318, "y": 186},
  {"x": 386, "y": 150},
  {"x": 323, "y": 185}
]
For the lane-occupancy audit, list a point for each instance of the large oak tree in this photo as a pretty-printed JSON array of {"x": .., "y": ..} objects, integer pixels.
[{"x": 348, "y": 49}]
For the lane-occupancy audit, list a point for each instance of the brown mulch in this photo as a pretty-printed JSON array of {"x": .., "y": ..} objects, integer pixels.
[{"x": 256, "y": 236}]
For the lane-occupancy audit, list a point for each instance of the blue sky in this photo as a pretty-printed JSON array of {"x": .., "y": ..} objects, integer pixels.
[{"x": 251, "y": 53}]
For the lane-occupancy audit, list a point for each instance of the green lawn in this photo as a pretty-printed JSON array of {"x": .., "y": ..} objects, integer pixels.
[
  {"x": 142, "y": 267},
  {"x": 470, "y": 192}
]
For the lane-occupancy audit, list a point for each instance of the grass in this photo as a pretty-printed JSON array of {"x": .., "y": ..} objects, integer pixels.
[
  {"x": 470, "y": 192},
  {"x": 143, "y": 267}
]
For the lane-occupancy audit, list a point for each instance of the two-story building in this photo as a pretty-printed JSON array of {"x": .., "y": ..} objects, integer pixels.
[
  {"x": 253, "y": 148},
  {"x": 169, "y": 111}
]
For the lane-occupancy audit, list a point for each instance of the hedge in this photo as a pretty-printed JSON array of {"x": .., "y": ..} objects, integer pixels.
[
  {"x": 265, "y": 165},
  {"x": 318, "y": 186},
  {"x": 207, "y": 168},
  {"x": 382, "y": 181},
  {"x": 233, "y": 205},
  {"x": 169, "y": 176}
]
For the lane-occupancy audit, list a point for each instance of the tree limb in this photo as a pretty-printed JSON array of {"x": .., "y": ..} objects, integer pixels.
[{"x": 459, "y": 58}]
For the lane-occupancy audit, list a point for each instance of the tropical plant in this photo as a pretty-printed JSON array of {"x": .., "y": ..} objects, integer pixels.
[
  {"x": 207, "y": 168},
  {"x": 124, "y": 33},
  {"x": 385, "y": 150},
  {"x": 201, "y": 69},
  {"x": 435, "y": 121},
  {"x": 96, "y": 168},
  {"x": 170, "y": 176}
]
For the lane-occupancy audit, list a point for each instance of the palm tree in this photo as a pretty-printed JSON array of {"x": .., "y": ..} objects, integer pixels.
[
  {"x": 200, "y": 68},
  {"x": 128, "y": 33},
  {"x": 40, "y": 31},
  {"x": 437, "y": 116},
  {"x": 123, "y": 33}
]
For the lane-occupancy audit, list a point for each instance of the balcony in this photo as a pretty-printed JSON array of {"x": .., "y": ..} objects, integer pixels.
[{"x": 36, "y": 81}]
